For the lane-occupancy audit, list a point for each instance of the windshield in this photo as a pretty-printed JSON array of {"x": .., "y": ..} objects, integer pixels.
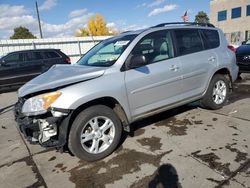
[{"x": 106, "y": 52}]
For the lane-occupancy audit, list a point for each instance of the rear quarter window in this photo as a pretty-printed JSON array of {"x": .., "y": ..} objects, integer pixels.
[
  {"x": 51, "y": 54},
  {"x": 188, "y": 41},
  {"x": 211, "y": 38}
]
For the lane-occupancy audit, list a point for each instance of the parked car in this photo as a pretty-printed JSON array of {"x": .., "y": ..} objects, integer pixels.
[
  {"x": 17, "y": 68},
  {"x": 122, "y": 79},
  {"x": 243, "y": 57}
]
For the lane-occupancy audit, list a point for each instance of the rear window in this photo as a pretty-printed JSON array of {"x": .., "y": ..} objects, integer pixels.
[
  {"x": 211, "y": 38},
  {"x": 188, "y": 41},
  {"x": 51, "y": 54}
]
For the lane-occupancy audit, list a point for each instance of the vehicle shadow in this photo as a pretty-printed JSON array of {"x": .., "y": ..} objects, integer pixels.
[
  {"x": 134, "y": 127},
  {"x": 9, "y": 89},
  {"x": 241, "y": 90},
  {"x": 165, "y": 176},
  {"x": 160, "y": 117}
]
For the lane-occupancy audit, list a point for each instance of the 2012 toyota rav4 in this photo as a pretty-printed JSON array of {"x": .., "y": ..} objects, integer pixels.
[{"x": 122, "y": 79}]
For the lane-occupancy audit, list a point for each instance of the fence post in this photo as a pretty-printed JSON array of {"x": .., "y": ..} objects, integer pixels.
[
  {"x": 79, "y": 46},
  {"x": 34, "y": 45}
]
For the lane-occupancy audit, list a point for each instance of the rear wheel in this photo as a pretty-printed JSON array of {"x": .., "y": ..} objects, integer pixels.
[
  {"x": 217, "y": 93},
  {"x": 95, "y": 133}
]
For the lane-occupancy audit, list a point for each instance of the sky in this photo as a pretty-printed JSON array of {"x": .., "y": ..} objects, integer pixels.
[{"x": 63, "y": 18}]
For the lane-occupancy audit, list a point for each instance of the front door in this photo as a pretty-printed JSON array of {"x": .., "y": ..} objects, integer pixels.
[
  {"x": 158, "y": 83},
  {"x": 10, "y": 71}
]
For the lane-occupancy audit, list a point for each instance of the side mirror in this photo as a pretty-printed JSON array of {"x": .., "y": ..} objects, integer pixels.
[
  {"x": 137, "y": 61},
  {"x": 2, "y": 62},
  {"x": 244, "y": 42}
]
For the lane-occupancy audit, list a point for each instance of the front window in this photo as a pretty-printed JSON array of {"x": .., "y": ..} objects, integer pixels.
[
  {"x": 106, "y": 52},
  {"x": 156, "y": 46},
  {"x": 13, "y": 58}
]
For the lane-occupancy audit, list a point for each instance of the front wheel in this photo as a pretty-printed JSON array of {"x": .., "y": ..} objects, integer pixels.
[
  {"x": 95, "y": 133},
  {"x": 217, "y": 93}
]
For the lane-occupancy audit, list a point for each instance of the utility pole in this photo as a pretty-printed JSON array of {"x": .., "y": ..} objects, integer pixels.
[{"x": 39, "y": 23}]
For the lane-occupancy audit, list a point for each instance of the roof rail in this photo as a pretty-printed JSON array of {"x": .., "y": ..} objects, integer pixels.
[{"x": 185, "y": 23}]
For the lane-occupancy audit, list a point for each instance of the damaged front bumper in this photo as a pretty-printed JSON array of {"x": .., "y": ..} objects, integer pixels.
[{"x": 48, "y": 130}]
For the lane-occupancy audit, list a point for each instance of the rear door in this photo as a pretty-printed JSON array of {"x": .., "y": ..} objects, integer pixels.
[
  {"x": 197, "y": 62},
  {"x": 32, "y": 65},
  {"x": 159, "y": 83}
]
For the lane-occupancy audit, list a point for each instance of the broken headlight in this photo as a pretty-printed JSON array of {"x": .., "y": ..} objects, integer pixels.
[{"x": 39, "y": 104}]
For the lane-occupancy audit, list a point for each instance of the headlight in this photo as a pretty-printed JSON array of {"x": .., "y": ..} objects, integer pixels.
[{"x": 39, "y": 104}]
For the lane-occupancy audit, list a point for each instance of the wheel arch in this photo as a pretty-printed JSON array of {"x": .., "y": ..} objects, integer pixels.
[
  {"x": 225, "y": 71},
  {"x": 106, "y": 101}
]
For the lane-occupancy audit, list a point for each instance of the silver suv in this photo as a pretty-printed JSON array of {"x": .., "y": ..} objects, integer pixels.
[{"x": 136, "y": 74}]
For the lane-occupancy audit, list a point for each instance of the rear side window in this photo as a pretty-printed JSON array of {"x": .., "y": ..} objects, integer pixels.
[
  {"x": 211, "y": 38},
  {"x": 50, "y": 54},
  {"x": 33, "y": 56},
  {"x": 188, "y": 41}
]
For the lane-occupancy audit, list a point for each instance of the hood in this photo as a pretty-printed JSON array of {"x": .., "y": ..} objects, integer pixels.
[
  {"x": 243, "y": 50},
  {"x": 60, "y": 75}
]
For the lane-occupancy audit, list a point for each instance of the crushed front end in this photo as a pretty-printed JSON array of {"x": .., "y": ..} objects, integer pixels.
[{"x": 48, "y": 129}]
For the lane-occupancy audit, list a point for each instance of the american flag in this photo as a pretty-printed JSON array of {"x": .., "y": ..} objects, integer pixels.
[{"x": 185, "y": 17}]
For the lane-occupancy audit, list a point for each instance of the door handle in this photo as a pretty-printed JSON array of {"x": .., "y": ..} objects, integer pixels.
[
  {"x": 211, "y": 59},
  {"x": 174, "y": 68}
]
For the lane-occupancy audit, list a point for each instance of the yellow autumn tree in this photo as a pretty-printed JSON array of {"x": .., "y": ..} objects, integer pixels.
[
  {"x": 83, "y": 32},
  {"x": 97, "y": 26}
]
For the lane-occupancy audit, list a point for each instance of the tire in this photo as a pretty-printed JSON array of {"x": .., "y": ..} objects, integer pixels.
[
  {"x": 209, "y": 100},
  {"x": 89, "y": 128}
]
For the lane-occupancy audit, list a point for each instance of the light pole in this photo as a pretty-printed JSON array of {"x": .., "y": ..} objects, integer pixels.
[{"x": 39, "y": 23}]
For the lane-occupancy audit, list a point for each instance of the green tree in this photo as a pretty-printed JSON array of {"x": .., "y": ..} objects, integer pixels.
[
  {"x": 22, "y": 33},
  {"x": 201, "y": 17}
]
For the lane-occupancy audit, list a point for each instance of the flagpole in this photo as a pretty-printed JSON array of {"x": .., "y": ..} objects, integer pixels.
[{"x": 39, "y": 23}]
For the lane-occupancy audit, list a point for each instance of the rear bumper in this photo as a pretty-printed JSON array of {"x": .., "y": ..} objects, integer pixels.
[{"x": 46, "y": 130}]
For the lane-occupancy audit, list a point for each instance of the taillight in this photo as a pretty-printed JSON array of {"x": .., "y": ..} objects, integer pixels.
[
  {"x": 67, "y": 60},
  {"x": 230, "y": 47}
]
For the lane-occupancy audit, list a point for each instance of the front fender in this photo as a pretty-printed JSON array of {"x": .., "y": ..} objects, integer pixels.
[{"x": 78, "y": 94}]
